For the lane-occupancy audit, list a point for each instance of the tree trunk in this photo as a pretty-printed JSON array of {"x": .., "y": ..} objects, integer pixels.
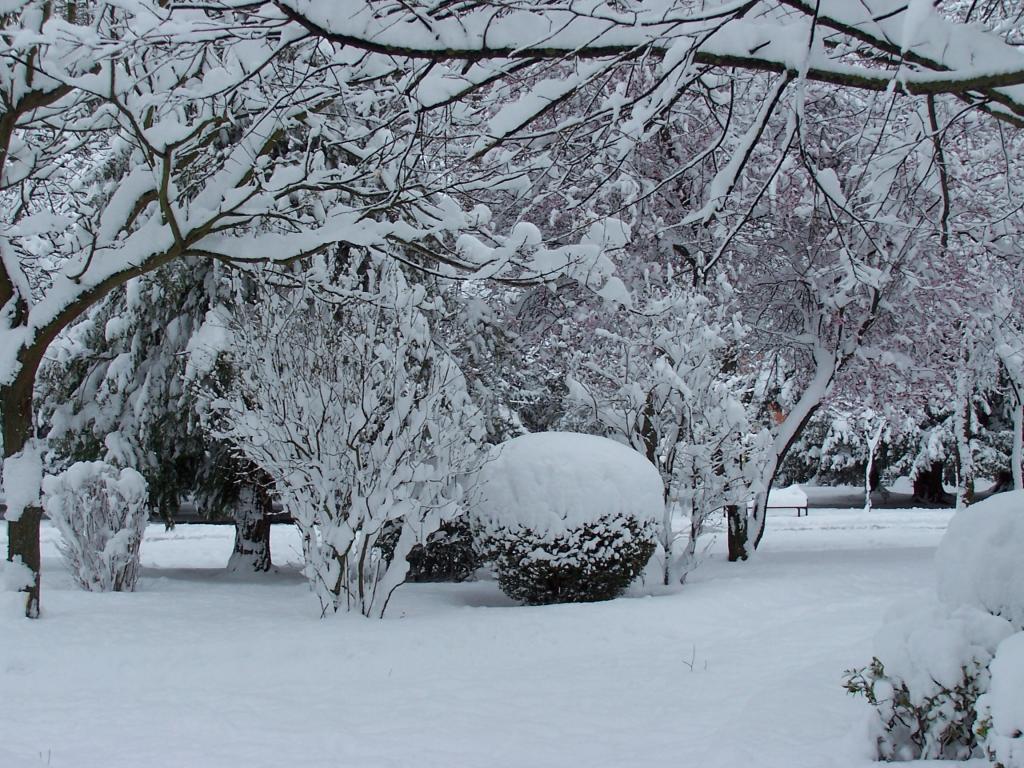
[
  {"x": 874, "y": 477},
  {"x": 1018, "y": 446},
  {"x": 686, "y": 561},
  {"x": 252, "y": 532},
  {"x": 737, "y": 533},
  {"x": 23, "y": 547},
  {"x": 826, "y": 364},
  {"x": 870, "y": 471},
  {"x": 928, "y": 485},
  {"x": 964, "y": 459},
  {"x": 962, "y": 426},
  {"x": 23, "y": 533}
]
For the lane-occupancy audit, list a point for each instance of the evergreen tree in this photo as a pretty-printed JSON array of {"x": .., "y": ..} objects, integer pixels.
[{"x": 114, "y": 389}]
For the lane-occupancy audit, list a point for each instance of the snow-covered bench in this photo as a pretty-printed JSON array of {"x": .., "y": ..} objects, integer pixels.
[{"x": 792, "y": 497}]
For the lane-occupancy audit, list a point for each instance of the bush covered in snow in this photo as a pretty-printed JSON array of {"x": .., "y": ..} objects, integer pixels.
[
  {"x": 936, "y": 688},
  {"x": 448, "y": 554},
  {"x": 567, "y": 517},
  {"x": 100, "y": 512},
  {"x": 981, "y": 558},
  {"x": 1000, "y": 726},
  {"x": 929, "y": 670},
  {"x": 591, "y": 562},
  {"x": 361, "y": 420}
]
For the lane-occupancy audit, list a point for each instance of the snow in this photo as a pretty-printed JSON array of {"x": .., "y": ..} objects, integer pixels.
[
  {"x": 616, "y": 292},
  {"x": 207, "y": 669},
  {"x": 916, "y": 17},
  {"x": 935, "y": 665},
  {"x": 14, "y": 576},
  {"x": 792, "y": 497},
  {"x": 554, "y": 482},
  {"x": 22, "y": 476},
  {"x": 1004, "y": 703},
  {"x": 926, "y": 647},
  {"x": 126, "y": 482},
  {"x": 979, "y": 560},
  {"x": 101, "y": 514},
  {"x": 212, "y": 338}
]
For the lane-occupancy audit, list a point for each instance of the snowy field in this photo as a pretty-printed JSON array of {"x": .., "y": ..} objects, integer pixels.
[{"x": 199, "y": 669}]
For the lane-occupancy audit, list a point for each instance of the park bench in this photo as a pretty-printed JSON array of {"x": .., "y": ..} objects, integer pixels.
[{"x": 792, "y": 497}]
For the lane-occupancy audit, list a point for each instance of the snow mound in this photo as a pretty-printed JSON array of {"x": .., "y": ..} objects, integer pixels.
[
  {"x": 929, "y": 649},
  {"x": 979, "y": 559},
  {"x": 15, "y": 576},
  {"x": 550, "y": 483},
  {"x": 1003, "y": 705}
]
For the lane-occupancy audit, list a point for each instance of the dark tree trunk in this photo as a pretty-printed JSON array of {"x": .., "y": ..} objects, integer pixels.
[
  {"x": 928, "y": 485},
  {"x": 23, "y": 533},
  {"x": 252, "y": 532},
  {"x": 1004, "y": 482},
  {"x": 874, "y": 478},
  {"x": 23, "y": 545},
  {"x": 736, "y": 521},
  {"x": 754, "y": 524}
]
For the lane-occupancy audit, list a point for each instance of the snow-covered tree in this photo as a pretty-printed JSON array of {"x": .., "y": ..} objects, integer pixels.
[
  {"x": 664, "y": 379},
  {"x": 1008, "y": 338},
  {"x": 113, "y": 388},
  {"x": 137, "y": 134},
  {"x": 358, "y": 418}
]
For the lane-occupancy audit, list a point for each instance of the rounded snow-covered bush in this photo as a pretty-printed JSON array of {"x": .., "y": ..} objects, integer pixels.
[
  {"x": 981, "y": 557},
  {"x": 567, "y": 517},
  {"x": 1001, "y": 711},
  {"x": 931, "y": 665},
  {"x": 937, "y": 683},
  {"x": 100, "y": 512}
]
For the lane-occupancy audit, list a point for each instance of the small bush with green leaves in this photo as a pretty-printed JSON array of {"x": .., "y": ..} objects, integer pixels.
[
  {"x": 925, "y": 694},
  {"x": 939, "y": 725},
  {"x": 448, "y": 554},
  {"x": 585, "y": 564},
  {"x": 950, "y": 686}
]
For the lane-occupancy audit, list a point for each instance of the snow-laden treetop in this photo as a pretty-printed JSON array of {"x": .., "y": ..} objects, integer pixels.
[{"x": 873, "y": 44}]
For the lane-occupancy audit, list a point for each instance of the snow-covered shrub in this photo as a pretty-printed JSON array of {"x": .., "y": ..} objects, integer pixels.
[
  {"x": 929, "y": 669},
  {"x": 567, "y": 517},
  {"x": 100, "y": 512},
  {"x": 981, "y": 558},
  {"x": 448, "y": 554},
  {"x": 929, "y": 681},
  {"x": 358, "y": 417},
  {"x": 1000, "y": 725}
]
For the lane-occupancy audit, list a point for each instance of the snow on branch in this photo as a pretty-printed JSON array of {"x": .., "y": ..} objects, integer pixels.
[{"x": 857, "y": 45}]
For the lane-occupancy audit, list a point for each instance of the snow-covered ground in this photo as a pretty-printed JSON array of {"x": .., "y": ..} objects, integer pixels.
[{"x": 741, "y": 667}]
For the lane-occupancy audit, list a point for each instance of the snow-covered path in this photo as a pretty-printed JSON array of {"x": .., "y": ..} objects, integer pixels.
[{"x": 741, "y": 667}]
